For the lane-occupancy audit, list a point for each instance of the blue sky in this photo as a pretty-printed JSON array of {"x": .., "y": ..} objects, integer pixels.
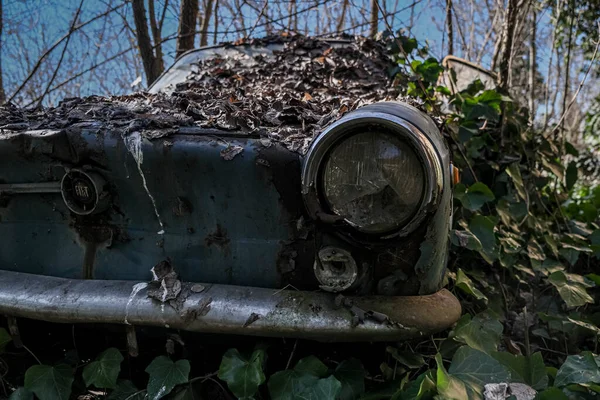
[{"x": 31, "y": 26}]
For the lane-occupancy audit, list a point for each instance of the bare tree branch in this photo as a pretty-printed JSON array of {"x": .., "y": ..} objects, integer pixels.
[
  {"x": 156, "y": 33},
  {"x": 56, "y": 44},
  {"x": 151, "y": 65},
  {"x": 216, "y": 23},
  {"x": 449, "y": 26},
  {"x": 2, "y": 95},
  {"x": 374, "y": 18},
  {"x": 342, "y": 20},
  {"x": 205, "y": 22},
  {"x": 187, "y": 25},
  {"x": 508, "y": 31},
  {"x": 532, "y": 64},
  {"x": 259, "y": 17},
  {"x": 587, "y": 72},
  {"x": 62, "y": 55}
]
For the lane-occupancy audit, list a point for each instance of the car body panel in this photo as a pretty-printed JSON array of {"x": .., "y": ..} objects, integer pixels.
[{"x": 217, "y": 214}]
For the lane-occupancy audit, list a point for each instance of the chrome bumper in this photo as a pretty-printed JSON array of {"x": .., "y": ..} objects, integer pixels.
[{"x": 229, "y": 309}]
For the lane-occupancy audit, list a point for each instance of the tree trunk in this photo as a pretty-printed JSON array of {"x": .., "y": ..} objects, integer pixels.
[
  {"x": 571, "y": 16},
  {"x": 532, "y": 64},
  {"x": 449, "y": 26},
  {"x": 187, "y": 26},
  {"x": 151, "y": 66},
  {"x": 2, "y": 95},
  {"x": 374, "y": 18},
  {"x": 216, "y": 23},
  {"x": 206, "y": 22},
  {"x": 156, "y": 36},
  {"x": 342, "y": 20},
  {"x": 508, "y": 30}
]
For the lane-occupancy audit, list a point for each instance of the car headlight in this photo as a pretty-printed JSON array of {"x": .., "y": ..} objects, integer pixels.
[
  {"x": 374, "y": 170},
  {"x": 375, "y": 180}
]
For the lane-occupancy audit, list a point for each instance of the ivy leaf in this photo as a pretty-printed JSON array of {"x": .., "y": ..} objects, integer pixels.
[
  {"x": 165, "y": 375},
  {"x": 410, "y": 359},
  {"x": 103, "y": 372},
  {"x": 469, "y": 371},
  {"x": 49, "y": 383},
  {"x": 514, "y": 172},
  {"x": 21, "y": 394},
  {"x": 572, "y": 288},
  {"x": 243, "y": 376},
  {"x": 126, "y": 390},
  {"x": 554, "y": 166},
  {"x": 475, "y": 196},
  {"x": 422, "y": 387},
  {"x": 479, "y": 333},
  {"x": 552, "y": 393},
  {"x": 313, "y": 366},
  {"x": 571, "y": 175},
  {"x": 535, "y": 251},
  {"x": 580, "y": 369},
  {"x": 464, "y": 283},
  {"x": 288, "y": 384},
  {"x": 5, "y": 339},
  {"x": 530, "y": 370},
  {"x": 351, "y": 375},
  {"x": 323, "y": 389},
  {"x": 483, "y": 228},
  {"x": 466, "y": 239}
]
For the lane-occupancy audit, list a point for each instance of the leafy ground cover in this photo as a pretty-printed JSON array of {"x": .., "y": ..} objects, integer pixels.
[{"x": 523, "y": 262}]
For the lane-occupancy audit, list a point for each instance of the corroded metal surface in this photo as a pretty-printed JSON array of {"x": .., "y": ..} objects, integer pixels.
[{"x": 229, "y": 309}]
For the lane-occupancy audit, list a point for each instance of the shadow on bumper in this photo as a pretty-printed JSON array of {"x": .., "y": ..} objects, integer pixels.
[{"x": 229, "y": 309}]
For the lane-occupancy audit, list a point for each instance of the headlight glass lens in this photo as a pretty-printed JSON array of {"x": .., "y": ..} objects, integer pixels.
[{"x": 375, "y": 180}]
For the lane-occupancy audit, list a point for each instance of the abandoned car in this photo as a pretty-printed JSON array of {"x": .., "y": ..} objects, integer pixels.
[{"x": 273, "y": 187}]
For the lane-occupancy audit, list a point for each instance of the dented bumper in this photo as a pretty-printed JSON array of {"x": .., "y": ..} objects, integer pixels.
[{"x": 229, "y": 309}]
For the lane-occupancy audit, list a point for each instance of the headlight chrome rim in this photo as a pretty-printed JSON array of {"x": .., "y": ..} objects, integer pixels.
[{"x": 318, "y": 152}]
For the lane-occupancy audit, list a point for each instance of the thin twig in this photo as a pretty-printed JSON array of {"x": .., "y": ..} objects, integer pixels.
[
  {"x": 260, "y": 15},
  {"x": 389, "y": 28},
  {"x": 62, "y": 55},
  {"x": 33, "y": 355},
  {"x": 289, "y": 361},
  {"x": 56, "y": 44},
  {"x": 587, "y": 72}
]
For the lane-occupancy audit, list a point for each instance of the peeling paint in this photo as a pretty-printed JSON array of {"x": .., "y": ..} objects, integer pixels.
[
  {"x": 133, "y": 142},
  {"x": 135, "y": 290}
]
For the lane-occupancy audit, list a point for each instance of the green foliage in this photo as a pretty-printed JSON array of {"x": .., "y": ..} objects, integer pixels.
[
  {"x": 581, "y": 369},
  {"x": 480, "y": 332},
  {"x": 311, "y": 379},
  {"x": 469, "y": 371},
  {"x": 572, "y": 288},
  {"x": 126, "y": 390},
  {"x": 5, "y": 339},
  {"x": 530, "y": 370},
  {"x": 49, "y": 383},
  {"x": 164, "y": 375},
  {"x": 103, "y": 372},
  {"x": 243, "y": 375},
  {"x": 21, "y": 394}
]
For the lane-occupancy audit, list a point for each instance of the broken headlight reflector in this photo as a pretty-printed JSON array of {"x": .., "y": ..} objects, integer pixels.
[{"x": 375, "y": 180}]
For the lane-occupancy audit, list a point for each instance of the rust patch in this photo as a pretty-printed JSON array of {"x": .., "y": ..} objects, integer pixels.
[
  {"x": 182, "y": 207},
  {"x": 218, "y": 238}
]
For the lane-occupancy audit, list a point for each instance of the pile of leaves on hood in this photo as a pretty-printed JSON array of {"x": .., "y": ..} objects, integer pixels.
[{"x": 288, "y": 96}]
